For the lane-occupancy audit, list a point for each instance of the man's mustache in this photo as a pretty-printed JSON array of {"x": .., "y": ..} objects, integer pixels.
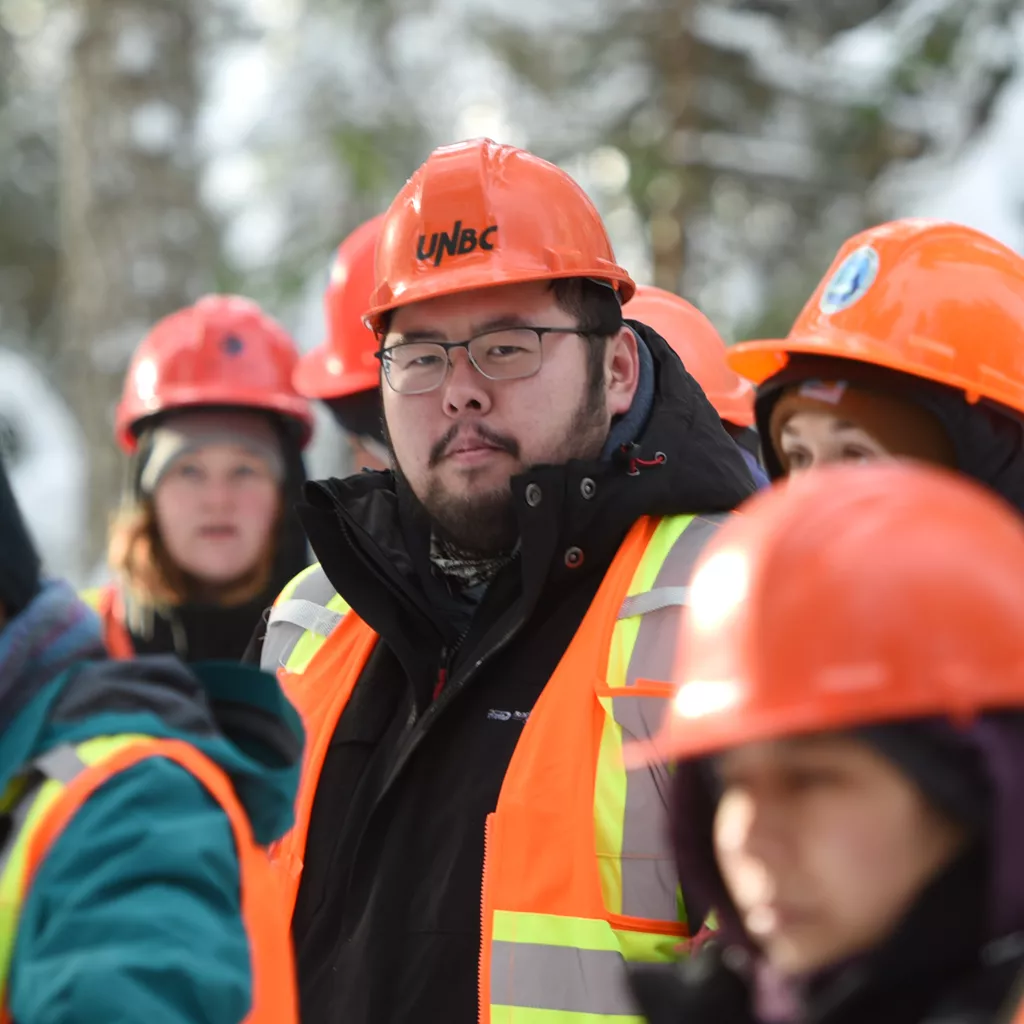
[{"x": 500, "y": 441}]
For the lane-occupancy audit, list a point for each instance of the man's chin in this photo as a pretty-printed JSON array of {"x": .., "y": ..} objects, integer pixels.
[
  {"x": 477, "y": 518},
  {"x": 472, "y": 482}
]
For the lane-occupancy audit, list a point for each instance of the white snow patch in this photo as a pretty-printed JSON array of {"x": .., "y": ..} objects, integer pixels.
[
  {"x": 22, "y": 18},
  {"x": 253, "y": 237},
  {"x": 984, "y": 188},
  {"x": 231, "y": 180},
  {"x": 156, "y": 127},
  {"x": 135, "y": 50},
  {"x": 238, "y": 97},
  {"x": 49, "y": 472}
]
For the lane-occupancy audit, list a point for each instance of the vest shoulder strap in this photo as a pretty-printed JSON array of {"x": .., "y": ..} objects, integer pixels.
[{"x": 307, "y": 611}]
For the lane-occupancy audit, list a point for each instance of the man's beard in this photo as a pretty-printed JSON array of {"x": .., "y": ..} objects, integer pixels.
[{"x": 485, "y": 523}]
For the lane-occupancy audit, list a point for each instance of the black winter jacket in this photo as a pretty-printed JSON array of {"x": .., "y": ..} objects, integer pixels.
[{"x": 387, "y": 924}]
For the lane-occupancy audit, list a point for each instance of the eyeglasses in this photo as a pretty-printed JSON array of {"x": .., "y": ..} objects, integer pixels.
[{"x": 504, "y": 353}]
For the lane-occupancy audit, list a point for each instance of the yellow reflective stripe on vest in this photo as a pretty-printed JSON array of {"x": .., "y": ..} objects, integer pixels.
[
  {"x": 529, "y": 1015},
  {"x": 309, "y": 644},
  {"x": 550, "y": 968},
  {"x": 12, "y": 878},
  {"x": 289, "y": 645}
]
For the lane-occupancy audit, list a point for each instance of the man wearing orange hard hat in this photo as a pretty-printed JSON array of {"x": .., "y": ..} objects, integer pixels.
[
  {"x": 465, "y": 657},
  {"x": 912, "y": 346},
  {"x": 344, "y": 373},
  {"x": 694, "y": 338},
  {"x": 848, "y": 742}
]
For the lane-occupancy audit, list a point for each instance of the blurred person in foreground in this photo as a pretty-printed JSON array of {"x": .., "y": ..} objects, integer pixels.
[
  {"x": 207, "y": 534},
  {"x": 343, "y": 373},
  {"x": 138, "y": 800},
  {"x": 703, "y": 352},
  {"x": 465, "y": 656},
  {"x": 847, "y": 745},
  {"x": 912, "y": 346}
]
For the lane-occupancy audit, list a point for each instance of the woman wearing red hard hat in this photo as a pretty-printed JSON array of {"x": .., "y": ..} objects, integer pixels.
[
  {"x": 207, "y": 535},
  {"x": 847, "y": 739}
]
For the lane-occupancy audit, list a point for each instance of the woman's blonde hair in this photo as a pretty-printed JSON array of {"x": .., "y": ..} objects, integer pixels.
[{"x": 137, "y": 554}]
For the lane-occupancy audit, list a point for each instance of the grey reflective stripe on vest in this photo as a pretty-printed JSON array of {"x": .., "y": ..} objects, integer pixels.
[
  {"x": 59, "y": 764},
  {"x": 284, "y": 633},
  {"x": 649, "y": 877},
  {"x": 311, "y": 617},
  {"x": 654, "y": 653},
  {"x": 654, "y": 601},
  {"x": 559, "y": 978},
  {"x": 62, "y": 763}
]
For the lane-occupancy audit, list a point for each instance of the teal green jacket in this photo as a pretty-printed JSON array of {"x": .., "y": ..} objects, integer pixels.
[{"x": 135, "y": 913}]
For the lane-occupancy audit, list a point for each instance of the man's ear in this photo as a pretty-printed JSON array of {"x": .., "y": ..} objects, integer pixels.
[{"x": 621, "y": 371}]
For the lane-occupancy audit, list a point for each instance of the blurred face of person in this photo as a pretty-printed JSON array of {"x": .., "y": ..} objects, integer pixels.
[
  {"x": 823, "y": 845},
  {"x": 216, "y": 509},
  {"x": 814, "y": 439},
  {"x": 459, "y": 446}
]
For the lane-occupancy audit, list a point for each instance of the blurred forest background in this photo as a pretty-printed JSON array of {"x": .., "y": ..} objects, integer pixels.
[{"x": 154, "y": 150}]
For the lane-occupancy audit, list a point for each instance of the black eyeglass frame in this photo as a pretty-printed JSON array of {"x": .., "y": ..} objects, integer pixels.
[{"x": 541, "y": 332}]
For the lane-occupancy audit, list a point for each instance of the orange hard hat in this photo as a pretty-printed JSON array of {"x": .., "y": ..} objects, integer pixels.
[
  {"x": 940, "y": 301},
  {"x": 345, "y": 364},
  {"x": 225, "y": 351},
  {"x": 479, "y": 214},
  {"x": 694, "y": 338},
  {"x": 851, "y": 596}
]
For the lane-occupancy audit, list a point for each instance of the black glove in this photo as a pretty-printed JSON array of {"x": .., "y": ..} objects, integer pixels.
[{"x": 703, "y": 989}]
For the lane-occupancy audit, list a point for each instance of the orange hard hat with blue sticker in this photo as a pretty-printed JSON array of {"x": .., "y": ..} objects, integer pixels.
[{"x": 936, "y": 300}]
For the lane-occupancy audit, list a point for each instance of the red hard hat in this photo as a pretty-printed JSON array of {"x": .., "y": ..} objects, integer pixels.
[
  {"x": 479, "y": 214},
  {"x": 936, "y": 300},
  {"x": 224, "y": 350},
  {"x": 701, "y": 348},
  {"x": 850, "y": 596},
  {"x": 345, "y": 364}
]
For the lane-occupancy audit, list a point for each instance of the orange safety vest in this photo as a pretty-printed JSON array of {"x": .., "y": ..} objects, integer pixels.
[
  {"x": 87, "y": 767},
  {"x": 578, "y": 873},
  {"x": 109, "y": 606}
]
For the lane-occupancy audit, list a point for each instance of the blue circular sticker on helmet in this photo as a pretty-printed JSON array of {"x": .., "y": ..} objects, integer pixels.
[{"x": 856, "y": 274}]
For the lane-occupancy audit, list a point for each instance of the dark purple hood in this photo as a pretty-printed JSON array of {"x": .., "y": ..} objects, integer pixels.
[{"x": 998, "y": 741}]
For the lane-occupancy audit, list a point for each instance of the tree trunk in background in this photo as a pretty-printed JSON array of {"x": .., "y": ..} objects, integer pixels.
[
  {"x": 674, "y": 58},
  {"x": 137, "y": 243}
]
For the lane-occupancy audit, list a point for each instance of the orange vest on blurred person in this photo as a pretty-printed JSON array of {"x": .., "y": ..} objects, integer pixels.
[
  {"x": 107, "y": 604},
  {"x": 70, "y": 775}
]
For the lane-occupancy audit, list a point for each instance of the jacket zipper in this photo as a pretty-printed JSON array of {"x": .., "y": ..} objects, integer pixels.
[
  {"x": 444, "y": 699},
  {"x": 483, "y": 1012}
]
